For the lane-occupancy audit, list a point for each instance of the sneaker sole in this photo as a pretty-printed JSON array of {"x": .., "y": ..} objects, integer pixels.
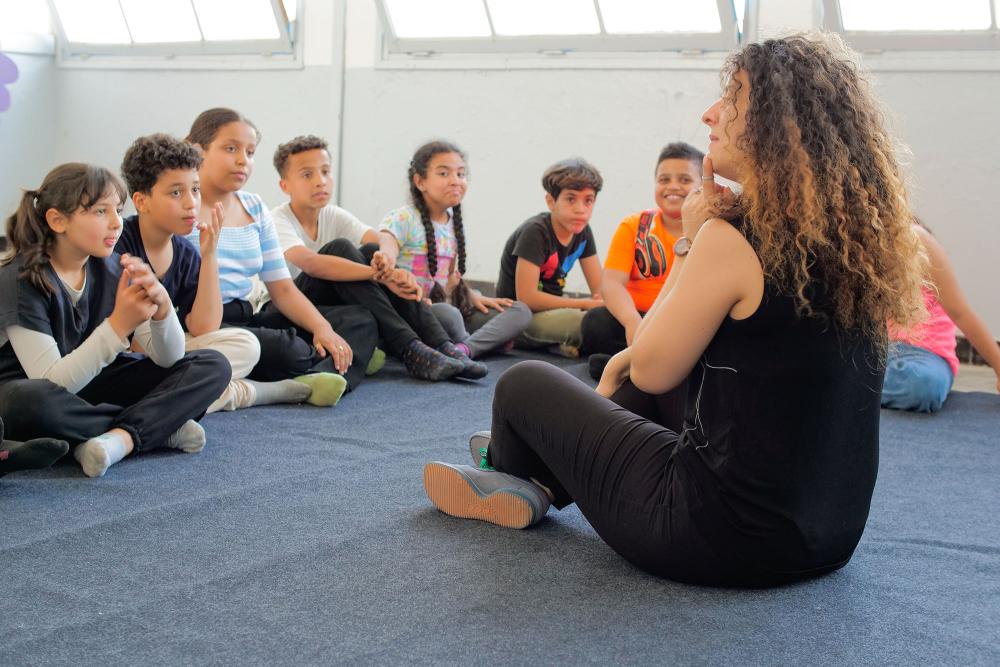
[{"x": 452, "y": 493}]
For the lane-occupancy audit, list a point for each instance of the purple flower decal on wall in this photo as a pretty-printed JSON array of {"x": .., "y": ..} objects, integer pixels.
[{"x": 8, "y": 74}]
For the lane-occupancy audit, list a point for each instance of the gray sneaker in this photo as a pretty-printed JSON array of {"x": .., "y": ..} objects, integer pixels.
[
  {"x": 478, "y": 444},
  {"x": 495, "y": 497}
]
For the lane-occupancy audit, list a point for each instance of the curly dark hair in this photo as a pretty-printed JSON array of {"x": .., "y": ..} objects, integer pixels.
[
  {"x": 460, "y": 297},
  {"x": 148, "y": 157},
  {"x": 66, "y": 188},
  {"x": 824, "y": 196},
  {"x": 297, "y": 145},
  {"x": 679, "y": 150},
  {"x": 572, "y": 174}
]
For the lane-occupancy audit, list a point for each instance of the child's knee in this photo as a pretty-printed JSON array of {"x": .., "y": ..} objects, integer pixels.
[
  {"x": 521, "y": 315},
  {"x": 27, "y": 402},
  {"x": 342, "y": 248}
]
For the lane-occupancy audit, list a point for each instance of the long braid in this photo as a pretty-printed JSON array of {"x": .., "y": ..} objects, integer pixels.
[
  {"x": 437, "y": 292},
  {"x": 460, "y": 296}
]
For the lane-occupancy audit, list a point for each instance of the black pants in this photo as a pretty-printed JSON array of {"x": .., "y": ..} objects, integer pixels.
[
  {"x": 131, "y": 393},
  {"x": 400, "y": 320},
  {"x": 612, "y": 458},
  {"x": 286, "y": 351},
  {"x": 602, "y": 333}
]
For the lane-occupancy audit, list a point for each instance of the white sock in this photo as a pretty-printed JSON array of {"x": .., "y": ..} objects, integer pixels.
[
  {"x": 282, "y": 391},
  {"x": 189, "y": 438},
  {"x": 98, "y": 454}
]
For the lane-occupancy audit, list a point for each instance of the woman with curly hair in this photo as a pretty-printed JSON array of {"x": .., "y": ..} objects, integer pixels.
[{"x": 774, "y": 312}]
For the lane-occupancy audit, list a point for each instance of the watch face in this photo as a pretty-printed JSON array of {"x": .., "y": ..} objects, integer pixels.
[{"x": 681, "y": 246}]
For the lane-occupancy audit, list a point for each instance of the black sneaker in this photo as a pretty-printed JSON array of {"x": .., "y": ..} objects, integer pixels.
[
  {"x": 597, "y": 362},
  {"x": 426, "y": 363},
  {"x": 471, "y": 370}
]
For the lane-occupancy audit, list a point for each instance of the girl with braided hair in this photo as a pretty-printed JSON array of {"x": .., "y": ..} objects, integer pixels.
[{"x": 437, "y": 181}]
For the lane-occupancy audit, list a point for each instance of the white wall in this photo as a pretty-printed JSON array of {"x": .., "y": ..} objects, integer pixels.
[
  {"x": 512, "y": 122},
  {"x": 27, "y": 136}
]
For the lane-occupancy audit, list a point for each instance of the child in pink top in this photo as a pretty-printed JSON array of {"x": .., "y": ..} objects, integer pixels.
[{"x": 922, "y": 362}]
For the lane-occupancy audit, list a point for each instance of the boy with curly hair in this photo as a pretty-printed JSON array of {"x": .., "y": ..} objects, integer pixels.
[{"x": 162, "y": 177}]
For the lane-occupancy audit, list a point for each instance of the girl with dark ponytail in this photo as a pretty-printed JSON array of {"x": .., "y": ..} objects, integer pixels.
[
  {"x": 437, "y": 183},
  {"x": 68, "y": 307}
]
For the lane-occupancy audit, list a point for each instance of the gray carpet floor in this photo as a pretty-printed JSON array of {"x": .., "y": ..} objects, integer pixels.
[{"x": 303, "y": 536}]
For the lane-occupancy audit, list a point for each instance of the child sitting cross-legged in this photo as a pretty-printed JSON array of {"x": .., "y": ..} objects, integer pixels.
[
  {"x": 540, "y": 253},
  {"x": 162, "y": 177},
  {"x": 321, "y": 245}
]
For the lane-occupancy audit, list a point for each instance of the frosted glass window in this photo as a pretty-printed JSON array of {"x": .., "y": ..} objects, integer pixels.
[
  {"x": 646, "y": 16},
  {"x": 438, "y": 18},
  {"x": 93, "y": 22},
  {"x": 161, "y": 21},
  {"x": 893, "y": 15},
  {"x": 544, "y": 17},
  {"x": 237, "y": 20},
  {"x": 25, "y": 16}
]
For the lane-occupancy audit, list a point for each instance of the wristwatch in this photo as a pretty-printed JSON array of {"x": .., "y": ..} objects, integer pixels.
[{"x": 682, "y": 246}]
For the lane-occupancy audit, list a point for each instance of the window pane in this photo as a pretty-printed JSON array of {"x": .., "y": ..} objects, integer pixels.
[
  {"x": 886, "y": 15},
  {"x": 644, "y": 16},
  {"x": 741, "y": 10},
  {"x": 438, "y": 18},
  {"x": 161, "y": 21},
  {"x": 544, "y": 17},
  {"x": 229, "y": 20},
  {"x": 28, "y": 16},
  {"x": 291, "y": 8},
  {"x": 93, "y": 22}
]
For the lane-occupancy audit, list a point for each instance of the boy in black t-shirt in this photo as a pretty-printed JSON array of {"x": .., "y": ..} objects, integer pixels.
[
  {"x": 539, "y": 254},
  {"x": 162, "y": 177}
]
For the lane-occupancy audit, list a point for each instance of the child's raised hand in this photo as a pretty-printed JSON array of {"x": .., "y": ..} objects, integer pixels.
[
  {"x": 132, "y": 306},
  {"x": 142, "y": 275},
  {"x": 208, "y": 232}
]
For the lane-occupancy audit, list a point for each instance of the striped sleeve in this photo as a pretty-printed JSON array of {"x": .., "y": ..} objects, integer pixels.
[{"x": 274, "y": 267}]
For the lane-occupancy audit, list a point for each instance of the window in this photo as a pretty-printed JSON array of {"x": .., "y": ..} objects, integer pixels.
[
  {"x": 915, "y": 24},
  {"x": 25, "y": 26},
  {"x": 560, "y": 26},
  {"x": 174, "y": 27}
]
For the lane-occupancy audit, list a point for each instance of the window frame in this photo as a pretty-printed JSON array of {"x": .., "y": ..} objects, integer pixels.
[
  {"x": 726, "y": 39},
  {"x": 913, "y": 40},
  {"x": 283, "y": 48}
]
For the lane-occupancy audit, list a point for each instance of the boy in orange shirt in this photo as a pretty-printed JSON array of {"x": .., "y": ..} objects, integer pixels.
[{"x": 639, "y": 258}]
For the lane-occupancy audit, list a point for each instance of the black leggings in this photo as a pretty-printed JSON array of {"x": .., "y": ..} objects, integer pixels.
[
  {"x": 286, "y": 351},
  {"x": 131, "y": 393},
  {"x": 400, "y": 320},
  {"x": 612, "y": 458}
]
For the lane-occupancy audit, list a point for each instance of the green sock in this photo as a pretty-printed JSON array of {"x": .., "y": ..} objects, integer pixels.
[
  {"x": 376, "y": 363},
  {"x": 327, "y": 388}
]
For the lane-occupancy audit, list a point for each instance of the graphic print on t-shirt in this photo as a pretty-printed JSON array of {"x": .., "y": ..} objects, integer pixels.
[{"x": 547, "y": 271}]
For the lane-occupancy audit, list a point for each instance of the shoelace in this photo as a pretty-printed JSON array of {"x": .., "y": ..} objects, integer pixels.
[{"x": 483, "y": 465}]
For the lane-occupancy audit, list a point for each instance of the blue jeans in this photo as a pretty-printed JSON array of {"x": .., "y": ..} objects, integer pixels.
[{"x": 915, "y": 379}]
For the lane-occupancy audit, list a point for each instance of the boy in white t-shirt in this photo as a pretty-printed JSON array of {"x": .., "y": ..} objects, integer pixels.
[{"x": 320, "y": 242}]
